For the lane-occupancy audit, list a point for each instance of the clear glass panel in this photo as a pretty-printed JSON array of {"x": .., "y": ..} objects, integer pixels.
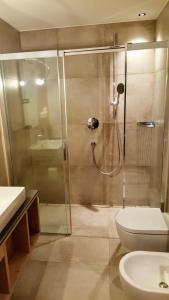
[
  {"x": 36, "y": 125},
  {"x": 145, "y": 102},
  {"x": 89, "y": 92}
]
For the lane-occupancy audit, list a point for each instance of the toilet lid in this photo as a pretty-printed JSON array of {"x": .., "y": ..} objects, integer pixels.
[{"x": 143, "y": 220}]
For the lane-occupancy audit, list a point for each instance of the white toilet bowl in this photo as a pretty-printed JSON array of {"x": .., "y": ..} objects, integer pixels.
[
  {"x": 142, "y": 273},
  {"x": 143, "y": 229}
]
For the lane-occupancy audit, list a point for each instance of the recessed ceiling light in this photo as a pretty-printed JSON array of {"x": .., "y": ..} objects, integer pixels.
[{"x": 142, "y": 14}]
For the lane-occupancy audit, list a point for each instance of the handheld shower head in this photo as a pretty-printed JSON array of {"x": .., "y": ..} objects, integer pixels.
[{"x": 115, "y": 102}]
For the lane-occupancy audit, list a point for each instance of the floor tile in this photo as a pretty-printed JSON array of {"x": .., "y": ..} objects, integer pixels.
[
  {"x": 112, "y": 212},
  {"x": 72, "y": 249},
  {"x": 84, "y": 266},
  {"x": 90, "y": 221},
  {"x": 29, "y": 280},
  {"x": 116, "y": 253},
  {"x": 77, "y": 281},
  {"x": 44, "y": 246}
]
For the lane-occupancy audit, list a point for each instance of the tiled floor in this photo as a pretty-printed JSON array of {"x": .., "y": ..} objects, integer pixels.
[
  {"x": 96, "y": 221},
  {"x": 83, "y": 266}
]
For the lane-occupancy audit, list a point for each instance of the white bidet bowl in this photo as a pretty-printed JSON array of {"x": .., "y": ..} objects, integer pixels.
[{"x": 142, "y": 273}]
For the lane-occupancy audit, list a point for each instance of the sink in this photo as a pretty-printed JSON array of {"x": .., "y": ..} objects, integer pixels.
[
  {"x": 11, "y": 198},
  {"x": 145, "y": 275}
]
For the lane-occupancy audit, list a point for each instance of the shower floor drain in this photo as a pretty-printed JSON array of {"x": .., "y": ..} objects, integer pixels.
[{"x": 163, "y": 285}]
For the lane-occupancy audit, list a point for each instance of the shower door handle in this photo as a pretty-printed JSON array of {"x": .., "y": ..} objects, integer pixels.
[
  {"x": 147, "y": 124},
  {"x": 64, "y": 151}
]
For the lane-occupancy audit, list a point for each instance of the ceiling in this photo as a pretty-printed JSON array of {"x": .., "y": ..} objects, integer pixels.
[{"x": 41, "y": 14}]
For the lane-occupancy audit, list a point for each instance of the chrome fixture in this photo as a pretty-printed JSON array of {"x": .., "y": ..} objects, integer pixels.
[
  {"x": 115, "y": 170},
  {"x": 93, "y": 123},
  {"x": 148, "y": 124},
  {"x": 163, "y": 285},
  {"x": 143, "y": 14},
  {"x": 115, "y": 102}
]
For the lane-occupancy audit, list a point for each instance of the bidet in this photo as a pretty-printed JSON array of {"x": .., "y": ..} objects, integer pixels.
[{"x": 145, "y": 275}]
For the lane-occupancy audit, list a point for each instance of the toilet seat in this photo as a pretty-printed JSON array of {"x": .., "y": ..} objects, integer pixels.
[{"x": 138, "y": 220}]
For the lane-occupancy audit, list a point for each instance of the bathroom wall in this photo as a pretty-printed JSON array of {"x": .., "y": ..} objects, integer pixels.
[
  {"x": 88, "y": 82},
  {"x": 9, "y": 42},
  {"x": 87, "y": 36},
  {"x": 162, "y": 33}
]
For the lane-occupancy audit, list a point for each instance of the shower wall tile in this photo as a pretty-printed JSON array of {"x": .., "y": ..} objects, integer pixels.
[
  {"x": 80, "y": 66},
  {"x": 140, "y": 188},
  {"x": 113, "y": 189},
  {"x": 87, "y": 36},
  {"x": 110, "y": 145},
  {"x": 130, "y": 32},
  {"x": 138, "y": 175},
  {"x": 159, "y": 94},
  {"x": 39, "y": 40},
  {"x": 83, "y": 100},
  {"x": 162, "y": 34},
  {"x": 13, "y": 94},
  {"x": 9, "y": 38},
  {"x": 50, "y": 183},
  {"x": 141, "y": 61},
  {"x": 160, "y": 59},
  {"x": 21, "y": 154},
  {"x": 94, "y": 65},
  {"x": 86, "y": 186},
  {"x": 79, "y": 144},
  {"x": 131, "y": 144},
  {"x": 140, "y": 96},
  {"x": 80, "y": 37}
]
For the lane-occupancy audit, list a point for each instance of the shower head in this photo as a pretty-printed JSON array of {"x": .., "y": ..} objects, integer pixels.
[{"x": 120, "y": 88}]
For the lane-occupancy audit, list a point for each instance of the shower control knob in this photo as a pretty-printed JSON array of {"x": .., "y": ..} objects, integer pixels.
[{"x": 92, "y": 123}]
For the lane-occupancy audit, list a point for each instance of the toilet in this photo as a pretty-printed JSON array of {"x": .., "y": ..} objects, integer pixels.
[
  {"x": 145, "y": 275},
  {"x": 144, "y": 229}
]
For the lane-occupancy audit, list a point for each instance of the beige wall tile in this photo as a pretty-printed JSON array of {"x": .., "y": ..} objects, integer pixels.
[
  {"x": 140, "y": 95},
  {"x": 162, "y": 33},
  {"x": 9, "y": 42},
  {"x": 113, "y": 189},
  {"x": 39, "y": 40},
  {"x": 87, "y": 36},
  {"x": 79, "y": 144},
  {"x": 140, "y": 61},
  {"x": 9, "y": 38},
  {"x": 83, "y": 100},
  {"x": 86, "y": 185},
  {"x": 130, "y": 32}
]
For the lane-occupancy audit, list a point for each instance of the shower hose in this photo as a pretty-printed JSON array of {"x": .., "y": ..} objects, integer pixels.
[{"x": 116, "y": 169}]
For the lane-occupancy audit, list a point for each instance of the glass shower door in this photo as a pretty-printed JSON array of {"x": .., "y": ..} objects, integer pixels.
[
  {"x": 147, "y": 66},
  {"x": 36, "y": 124}
]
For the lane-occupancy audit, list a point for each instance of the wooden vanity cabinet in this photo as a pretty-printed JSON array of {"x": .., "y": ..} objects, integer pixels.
[{"x": 16, "y": 241}]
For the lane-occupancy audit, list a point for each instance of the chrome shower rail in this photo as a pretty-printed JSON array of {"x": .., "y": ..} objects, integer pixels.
[{"x": 92, "y": 50}]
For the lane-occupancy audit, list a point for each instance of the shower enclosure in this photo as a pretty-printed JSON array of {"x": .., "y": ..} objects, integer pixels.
[
  {"x": 36, "y": 119},
  {"x": 49, "y": 96},
  {"x": 92, "y": 78},
  {"x": 146, "y": 75}
]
